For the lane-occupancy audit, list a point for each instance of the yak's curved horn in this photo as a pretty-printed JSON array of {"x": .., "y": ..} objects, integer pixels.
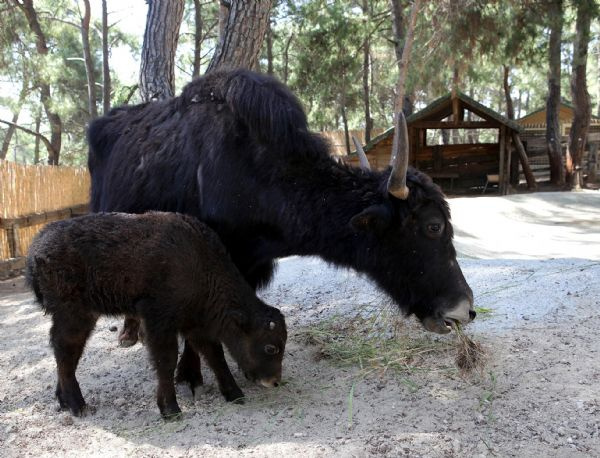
[
  {"x": 362, "y": 157},
  {"x": 399, "y": 162}
]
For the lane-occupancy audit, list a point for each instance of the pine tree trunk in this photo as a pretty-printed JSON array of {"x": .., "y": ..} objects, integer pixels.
[
  {"x": 582, "y": 108},
  {"x": 157, "y": 74},
  {"x": 557, "y": 170},
  {"x": 87, "y": 58},
  {"x": 269, "y": 49},
  {"x": 197, "y": 38},
  {"x": 36, "y": 149},
  {"x": 404, "y": 61},
  {"x": 11, "y": 129},
  {"x": 286, "y": 58},
  {"x": 365, "y": 74},
  {"x": 243, "y": 35},
  {"x": 55, "y": 142},
  {"x": 106, "y": 83}
]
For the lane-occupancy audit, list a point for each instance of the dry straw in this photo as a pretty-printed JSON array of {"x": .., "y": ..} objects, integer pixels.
[{"x": 27, "y": 189}]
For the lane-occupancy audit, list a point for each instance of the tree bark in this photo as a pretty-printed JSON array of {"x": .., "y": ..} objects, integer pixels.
[
  {"x": 87, "y": 58},
  {"x": 157, "y": 73},
  {"x": 557, "y": 170},
  {"x": 400, "y": 86},
  {"x": 366, "y": 73},
  {"x": 54, "y": 144},
  {"x": 582, "y": 109},
  {"x": 106, "y": 82},
  {"x": 510, "y": 114},
  {"x": 243, "y": 35},
  {"x": 197, "y": 38}
]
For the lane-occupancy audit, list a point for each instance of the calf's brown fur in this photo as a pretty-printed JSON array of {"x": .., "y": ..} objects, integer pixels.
[{"x": 167, "y": 269}]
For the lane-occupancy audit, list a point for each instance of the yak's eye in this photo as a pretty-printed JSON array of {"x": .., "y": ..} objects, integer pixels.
[
  {"x": 271, "y": 349},
  {"x": 434, "y": 228}
]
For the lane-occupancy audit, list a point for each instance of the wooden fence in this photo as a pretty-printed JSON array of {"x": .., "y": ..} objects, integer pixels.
[{"x": 30, "y": 197}]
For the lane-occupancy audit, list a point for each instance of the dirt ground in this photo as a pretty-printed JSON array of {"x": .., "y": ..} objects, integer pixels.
[{"x": 533, "y": 262}]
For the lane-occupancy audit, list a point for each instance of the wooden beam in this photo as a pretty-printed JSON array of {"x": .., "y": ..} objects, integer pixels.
[
  {"x": 531, "y": 184},
  {"x": 501, "y": 160},
  {"x": 34, "y": 219},
  {"x": 455, "y": 125},
  {"x": 455, "y": 110}
]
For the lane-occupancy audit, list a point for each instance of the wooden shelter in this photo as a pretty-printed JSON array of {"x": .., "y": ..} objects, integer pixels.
[
  {"x": 457, "y": 141},
  {"x": 534, "y": 139}
]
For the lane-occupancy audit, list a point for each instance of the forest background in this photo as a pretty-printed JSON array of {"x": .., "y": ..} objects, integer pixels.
[{"x": 340, "y": 57}]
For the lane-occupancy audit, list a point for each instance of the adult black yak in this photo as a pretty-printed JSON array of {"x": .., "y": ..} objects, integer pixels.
[{"x": 234, "y": 150}]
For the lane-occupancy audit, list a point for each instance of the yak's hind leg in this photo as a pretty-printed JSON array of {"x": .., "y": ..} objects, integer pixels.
[
  {"x": 213, "y": 352},
  {"x": 68, "y": 335},
  {"x": 188, "y": 368},
  {"x": 161, "y": 339}
]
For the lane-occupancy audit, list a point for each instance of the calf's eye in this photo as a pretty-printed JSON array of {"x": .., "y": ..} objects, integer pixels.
[
  {"x": 271, "y": 349},
  {"x": 434, "y": 228}
]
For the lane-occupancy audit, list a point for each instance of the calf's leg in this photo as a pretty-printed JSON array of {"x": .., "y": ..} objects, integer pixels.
[
  {"x": 188, "y": 368},
  {"x": 128, "y": 336},
  {"x": 68, "y": 336},
  {"x": 213, "y": 352},
  {"x": 162, "y": 344}
]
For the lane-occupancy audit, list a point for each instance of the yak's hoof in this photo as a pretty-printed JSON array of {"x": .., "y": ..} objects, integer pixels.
[
  {"x": 128, "y": 337},
  {"x": 189, "y": 375}
]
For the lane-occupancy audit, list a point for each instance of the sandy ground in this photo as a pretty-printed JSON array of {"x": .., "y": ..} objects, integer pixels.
[{"x": 533, "y": 259}]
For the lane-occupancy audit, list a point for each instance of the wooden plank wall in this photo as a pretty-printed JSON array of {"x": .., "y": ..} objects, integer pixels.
[{"x": 31, "y": 196}]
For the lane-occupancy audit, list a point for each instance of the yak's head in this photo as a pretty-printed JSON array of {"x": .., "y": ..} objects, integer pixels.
[
  {"x": 408, "y": 246},
  {"x": 257, "y": 343}
]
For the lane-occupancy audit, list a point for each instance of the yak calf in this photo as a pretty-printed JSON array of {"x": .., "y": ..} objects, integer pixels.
[{"x": 173, "y": 273}]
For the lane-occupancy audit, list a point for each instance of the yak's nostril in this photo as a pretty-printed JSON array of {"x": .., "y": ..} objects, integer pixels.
[
  {"x": 472, "y": 314},
  {"x": 275, "y": 384}
]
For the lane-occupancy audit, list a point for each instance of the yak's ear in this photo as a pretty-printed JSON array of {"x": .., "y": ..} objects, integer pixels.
[{"x": 375, "y": 218}]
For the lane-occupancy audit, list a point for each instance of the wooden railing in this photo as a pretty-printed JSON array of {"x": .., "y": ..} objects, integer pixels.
[{"x": 12, "y": 229}]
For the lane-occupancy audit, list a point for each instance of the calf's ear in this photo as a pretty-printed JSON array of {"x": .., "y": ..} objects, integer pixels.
[
  {"x": 375, "y": 218},
  {"x": 240, "y": 318}
]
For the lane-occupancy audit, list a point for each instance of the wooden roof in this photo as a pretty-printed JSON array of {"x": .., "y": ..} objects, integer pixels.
[
  {"x": 432, "y": 115},
  {"x": 537, "y": 118}
]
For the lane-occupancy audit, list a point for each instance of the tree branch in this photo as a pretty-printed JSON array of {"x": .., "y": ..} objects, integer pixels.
[{"x": 31, "y": 132}]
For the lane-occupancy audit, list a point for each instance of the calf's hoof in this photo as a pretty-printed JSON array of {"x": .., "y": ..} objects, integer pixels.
[
  {"x": 128, "y": 337},
  {"x": 234, "y": 395},
  {"x": 171, "y": 412},
  {"x": 190, "y": 375}
]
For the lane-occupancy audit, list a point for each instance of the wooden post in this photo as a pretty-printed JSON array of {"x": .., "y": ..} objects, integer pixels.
[
  {"x": 531, "y": 184},
  {"x": 455, "y": 110},
  {"x": 508, "y": 159},
  {"x": 12, "y": 235},
  {"x": 501, "y": 160}
]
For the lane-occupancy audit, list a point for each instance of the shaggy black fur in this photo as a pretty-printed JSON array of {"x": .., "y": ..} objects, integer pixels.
[
  {"x": 234, "y": 150},
  {"x": 173, "y": 273}
]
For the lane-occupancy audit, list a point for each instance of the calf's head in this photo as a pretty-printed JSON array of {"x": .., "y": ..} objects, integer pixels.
[
  {"x": 259, "y": 344},
  {"x": 407, "y": 245}
]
